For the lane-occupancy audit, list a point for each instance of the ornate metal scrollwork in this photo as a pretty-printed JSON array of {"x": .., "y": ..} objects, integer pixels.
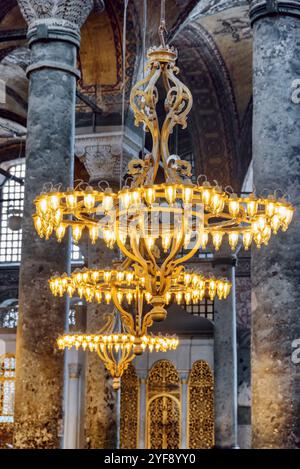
[
  {"x": 129, "y": 409},
  {"x": 201, "y": 406}
]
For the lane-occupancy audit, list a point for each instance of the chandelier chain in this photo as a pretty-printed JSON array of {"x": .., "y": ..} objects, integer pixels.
[{"x": 162, "y": 25}]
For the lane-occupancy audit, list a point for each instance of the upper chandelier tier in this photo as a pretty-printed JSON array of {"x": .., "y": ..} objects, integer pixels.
[{"x": 148, "y": 217}]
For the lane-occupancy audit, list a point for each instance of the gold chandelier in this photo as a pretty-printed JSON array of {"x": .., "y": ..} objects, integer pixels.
[
  {"x": 159, "y": 220},
  {"x": 161, "y": 225}
]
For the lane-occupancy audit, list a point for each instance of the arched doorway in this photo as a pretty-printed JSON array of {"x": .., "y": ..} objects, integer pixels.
[{"x": 163, "y": 406}]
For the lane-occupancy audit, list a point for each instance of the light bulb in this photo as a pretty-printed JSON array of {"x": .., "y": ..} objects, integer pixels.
[
  {"x": 77, "y": 232},
  {"x": 233, "y": 238},
  {"x": 38, "y": 224},
  {"x": 71, "y": 200},
  {"x": 216, "y": 203},
  {"x": 42, "y": 205},
  {"x": 149, "y": 241},
  {"x": 129, "y": 297},
  {"x": 129, "y": 277},
  {"x": 261, "y": 223},
  {"x": 195, "y": 296},
  {"x": 107, "y": 276},
  {"x": 89, "y": 199},
  {"x": 107, "y": 202},
  {"x": 148, "y": 297},
  {"x": 187, "y": 279},
  {"x": 60, "y": 232},
  {"x": 168, "y": 297},
  {"x": 166, "y": 241},
  {"x": 226, "y": 289},
  {"x": 220, "y": 290},
  {"x": 120, "y": 297},
  {"x": 178, "y": 297},
  {"x": 135, "y": 197},
  {"x": 266, "y": 234},
  {"x": 98, "y": 296},
  {"x": 270, "y": 208},
  {"x": 150, "y": 195},
  {"x": 125, "y": 199},
  {"x": 187, "y": 195},
  {"x": 203, "y": 239},
  {"x": 93, "y": 232},
  {"x": 206, "y": 193},
  {"x": 95, "y": 276},
  {"x": 170, "y": 193},
  {"x": 107, "y": 297},
  {"x": 188, "y": 297},
  {"x": 217, "y": 237},
  {"x": 58, "y": 216},
  {"x": 120, "y": 276},
  {"x": 252, "y": 206},
  {"x": 233, "y": 206},
  {"x": 247, "y": 239},
  {"x": 258, "y": 239},
  {"x": 54, "y": 202}
]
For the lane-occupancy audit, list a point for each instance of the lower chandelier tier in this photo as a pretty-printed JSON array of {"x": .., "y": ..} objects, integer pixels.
[{"x": 117, "y": 350}]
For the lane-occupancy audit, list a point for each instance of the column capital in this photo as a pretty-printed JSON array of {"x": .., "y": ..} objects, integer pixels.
[
  {"x": 53, "y": 29},
  {"x": 262, "y": 8},
  {"x": 74, "y": 370},
  {"x": 100, "y": 153},
  {"x": 74, "y": 12}
]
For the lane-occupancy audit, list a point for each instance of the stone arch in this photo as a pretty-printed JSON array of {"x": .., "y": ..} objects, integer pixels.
[
  {"x": 214, "y": 120},
  {"x": 200, "y": 406},
  {"x": 163, "y": 406}
]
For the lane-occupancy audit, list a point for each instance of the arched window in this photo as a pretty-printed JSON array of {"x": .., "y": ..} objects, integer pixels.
[
  {"x": 12, "y": 206},
  {"x": 200, "y": 406},
  {"x": 129, "y": 409},
  {"x": 163, "y": 406}
]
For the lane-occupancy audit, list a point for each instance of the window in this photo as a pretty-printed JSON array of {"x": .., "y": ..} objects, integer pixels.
[
  {"x": 7, "y": 387},
  {"x": 12, "y": 206},
  {"x": 204, "y": 309}
]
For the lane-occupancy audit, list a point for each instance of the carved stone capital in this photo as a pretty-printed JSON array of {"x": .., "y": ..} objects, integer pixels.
[
  {"x": 74, "y": 12},
  {"x": 74, "y": 370},
  {"x": 101, "y": 154},
  {"x": 263, "y": 8}
]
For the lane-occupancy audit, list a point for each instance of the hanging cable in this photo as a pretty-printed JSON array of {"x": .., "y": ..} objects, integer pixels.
[
  {"x": 123, "y": 86},
  {"x": 143, "y": 64},
  {"x": 162, "y": 30}
]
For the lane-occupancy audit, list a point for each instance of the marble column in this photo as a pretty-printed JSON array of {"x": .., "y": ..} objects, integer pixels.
[
  {"x": 73, "y": 400},
  {"x": 49, "y": 157},
  {"x": 101, "y": 155},
  {"x": 225, "y": 360},
  {"x": 276, "y": 268},
  {"x": 100, "y": 398}
]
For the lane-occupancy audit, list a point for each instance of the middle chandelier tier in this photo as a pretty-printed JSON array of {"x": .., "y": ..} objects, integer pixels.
[{"x": 125, "y": 288}]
